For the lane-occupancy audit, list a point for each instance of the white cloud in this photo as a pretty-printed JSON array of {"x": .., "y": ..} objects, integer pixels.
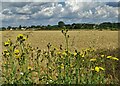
[
  {"x": 23, "y": 17},
  {"x": 70, "y": 11},
  {"x": 24, "y": 10},
  {"x": 7, "y": 12},
  {"x": 58, "y": 0},
  {"x": 7, "y": 17},
  {"x": 96, "y": 0},
  {"x": 29, "y": 0},
  {"x": 106, "y": 12}
]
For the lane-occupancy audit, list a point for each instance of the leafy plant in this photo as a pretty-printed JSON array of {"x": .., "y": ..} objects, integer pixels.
[{"x": 23, "y": 64}]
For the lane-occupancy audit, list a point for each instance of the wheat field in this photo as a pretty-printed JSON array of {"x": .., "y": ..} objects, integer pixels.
[{"x": 77, "y": 40}]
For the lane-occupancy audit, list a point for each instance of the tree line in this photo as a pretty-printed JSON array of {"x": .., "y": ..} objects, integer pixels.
[{"x": 74, "y": 26}]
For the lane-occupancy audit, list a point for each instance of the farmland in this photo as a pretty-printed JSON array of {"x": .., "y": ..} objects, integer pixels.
[
  {"x": 60, "y": 57},
  {"x": 78, "y": 39}
]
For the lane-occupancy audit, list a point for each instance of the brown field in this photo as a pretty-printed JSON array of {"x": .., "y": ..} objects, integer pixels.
[{"x": 77, "y": 40}]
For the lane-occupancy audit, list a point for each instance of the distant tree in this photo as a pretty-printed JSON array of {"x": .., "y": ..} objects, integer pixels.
[
  {"x": 77, "y": 26},
  {"x": 3, "y": 28},
  {"x": 32, "y": 26},
  {"x": 38, "y": 26},
  {"x": 105, "y": 25},
  {"x": 9, "y": 27},
  {"x": 96, "y": 26},
  {"x": 24, "y": 26},
  {"x": 61, "y": 24},
  {"x": 14, "y": 28},
  {"x": 68, "y": 26},
  {"x": 49, "y": 27},
  {"x": 19, "y": 27}
]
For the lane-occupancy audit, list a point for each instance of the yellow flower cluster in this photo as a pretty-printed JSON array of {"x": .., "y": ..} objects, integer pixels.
[
  {"x": 21, "y": 37},
  {"x": 97, "y": 69},
  {"x": 8, "y": 43},
  {"x": 17, "y": 53},
  {"x": 113, "y": 58},
  {"x": 6, "y": 53},
  {"x": 64, "y": 53}
]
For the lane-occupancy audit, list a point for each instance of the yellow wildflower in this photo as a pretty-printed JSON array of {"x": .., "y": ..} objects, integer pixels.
[
  {"x": 64, "y": 53},
  {"x": 6, "y": 44},
  {"x": 29, "y": 68},
  {"x": 62, "y": 66},
  {"x": 109, "y": 56},
  {"x": 114, "y": 58},
  {"x": 24, "y": 38},
  {"x": 92, "y": 59},
  {"x": 75, "y": 54},
  {"x": 102, "y": 55},
  {"x": 7, "y": 54},
  {"x": 5, "y": 51},
  {"x": 101, "y": 68},
  {"x": 16, "y": 52},
  {"x": 97, "y": 69},
  {"x": 83, "y": 55},
  {"x": 9, "y": 40},
  {"x": 58, "y": 53},
  {"x": 20, "y": 36}
]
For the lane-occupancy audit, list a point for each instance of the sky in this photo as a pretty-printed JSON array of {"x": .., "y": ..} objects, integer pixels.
[{"x": 44, "y": 12}]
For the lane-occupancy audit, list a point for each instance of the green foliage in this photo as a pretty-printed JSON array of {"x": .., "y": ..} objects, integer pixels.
[{"x": 61, "y": 24}]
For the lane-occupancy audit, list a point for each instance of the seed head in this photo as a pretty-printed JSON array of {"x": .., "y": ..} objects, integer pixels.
[{"x": 62, "y": 31}]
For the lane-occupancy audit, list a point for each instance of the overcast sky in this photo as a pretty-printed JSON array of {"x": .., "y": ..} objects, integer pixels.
[{"x": 15, "y": 13}]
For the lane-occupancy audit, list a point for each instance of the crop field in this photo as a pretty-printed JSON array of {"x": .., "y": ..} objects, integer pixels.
[
  {"x": 60, "y": 57},
  {"x": 77, "y": 39}
]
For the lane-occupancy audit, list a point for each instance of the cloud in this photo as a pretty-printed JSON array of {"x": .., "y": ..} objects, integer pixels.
[
  {"x": 58, "y": 0},
  {"x": 24, "y": 10},
  {"x": 28, "y": 13},
  {"x": 29, "y": 0},
  {"x": 7, "y": 12},
  {"x": 24, "y": 17}
]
